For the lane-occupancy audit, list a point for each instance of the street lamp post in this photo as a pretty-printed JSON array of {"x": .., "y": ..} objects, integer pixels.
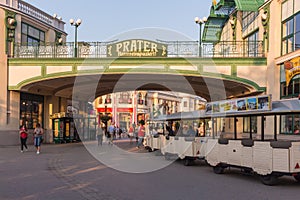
[
  {"x": 76, "y": 24},
  {"x": 200, "y": 22}
]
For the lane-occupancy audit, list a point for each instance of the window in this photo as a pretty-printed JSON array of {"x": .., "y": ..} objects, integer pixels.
[
  {"x": 100, "y": 101},
  {"x": 226, "y": 36},
  {"x": 286, "y": 9},
  {"x": 246, "y": 125},
  {"x": 290, "y": 26},
  {"x": 253, "y": 44},
  {"x": 293, "y": 89},
  {"x": 125, "y": 98},
  {"x": 297, "y": 31},
  {"x": 140, "y": 99},
  {"x": 108, "y": 99},
  {"x": 31, "y": 110},
  {"x": 248, "y": 18},
  {"x": 290, "y": 124},
  {"x": 185, "y": 104},
  {"x": 32, "y": 35}
]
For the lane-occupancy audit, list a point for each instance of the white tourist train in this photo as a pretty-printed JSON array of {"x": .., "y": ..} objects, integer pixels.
[{"x": 217, "y": 136}]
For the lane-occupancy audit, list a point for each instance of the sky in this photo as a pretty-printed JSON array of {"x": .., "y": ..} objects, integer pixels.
[{"x": 103, "y": 20}]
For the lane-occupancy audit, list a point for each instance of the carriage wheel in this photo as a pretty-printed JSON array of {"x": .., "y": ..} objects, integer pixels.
[
  {"x": 187, "y": 162},
  {"x": 218, "y": 169},
  {"x": 297, "y": 177},
  {"x": 269, "y": 179}
]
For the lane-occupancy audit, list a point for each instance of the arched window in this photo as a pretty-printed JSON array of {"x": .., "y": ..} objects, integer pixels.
[
  {"x": 140, "y": 99},
  {"x": 108, "y": 99},
  {"x": 125, "y": 98},
  {"x": 100, "y": 100}
]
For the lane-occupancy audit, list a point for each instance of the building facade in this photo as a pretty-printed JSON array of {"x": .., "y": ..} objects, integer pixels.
[
  {"x": 235, "y": 29},
  {"x": 127, "y": 108},
  {"x": 24, "y": 24},
  {"x": 277, "y": 24}
]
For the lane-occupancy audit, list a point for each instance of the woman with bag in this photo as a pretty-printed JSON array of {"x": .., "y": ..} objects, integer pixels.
[
  {"x": 38, "y": 134},
  {"x": 23, "y": 137}
]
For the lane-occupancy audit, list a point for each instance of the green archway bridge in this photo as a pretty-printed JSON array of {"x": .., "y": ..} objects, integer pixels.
[{"x": 224, "y": 70}]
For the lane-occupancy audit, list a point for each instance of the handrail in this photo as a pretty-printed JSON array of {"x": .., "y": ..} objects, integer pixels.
[
  {"x": 174, "y": 49},
  {"x": 34, "y": 12}
]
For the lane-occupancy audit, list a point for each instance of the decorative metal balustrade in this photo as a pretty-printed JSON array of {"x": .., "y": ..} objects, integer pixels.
[
  {"x": 34, "y": 12},
  {"x": 174, "y": 49}
]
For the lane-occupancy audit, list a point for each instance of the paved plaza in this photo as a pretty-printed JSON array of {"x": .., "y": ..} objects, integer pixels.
[
  {"x": 61, "y": 171},
  {"x": 71, "y": 171}
]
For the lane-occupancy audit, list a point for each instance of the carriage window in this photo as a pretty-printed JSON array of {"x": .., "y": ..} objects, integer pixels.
[
  {"x": 246, "y": 124},
  {"x": 290, "y": 124}
]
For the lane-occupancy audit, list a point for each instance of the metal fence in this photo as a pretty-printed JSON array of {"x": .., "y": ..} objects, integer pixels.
[{"x": 174, "y": 49}]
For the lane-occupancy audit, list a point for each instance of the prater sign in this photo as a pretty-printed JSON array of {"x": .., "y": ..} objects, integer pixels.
[{"x": 137, "y": 48}]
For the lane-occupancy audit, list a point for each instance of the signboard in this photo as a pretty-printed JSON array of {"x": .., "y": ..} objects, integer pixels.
[
  {"x": 242, "y": 104},
  {"x": 292, "y": 68},
  {"x": 103, "y": 110},
  {"x": 137, "y": 48}
]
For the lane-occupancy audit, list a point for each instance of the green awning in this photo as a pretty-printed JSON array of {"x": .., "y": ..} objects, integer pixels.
[
  {"x": 219, "y": 14},
  {"x": 213, "y": 29},
  {"x": 244, "y": 5},
  {"x": 248, "y": 5}
]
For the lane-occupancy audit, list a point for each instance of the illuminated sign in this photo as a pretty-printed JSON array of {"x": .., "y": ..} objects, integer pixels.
[
  {"x": 241, "y": 104},
  {"x": 137, "y": 48},
  {"x": 292, "y": 68}
]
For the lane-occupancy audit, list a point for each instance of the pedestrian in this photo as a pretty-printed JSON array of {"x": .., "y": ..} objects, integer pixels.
[
  {"x": 191, "y": 132},
  {"x": 38, "y": 134},
  {"x": 117, "y": 132},
  {"x": 141, "y": 133},
  {"x": 23, "y": 137},
  {"x": 99, "y": 135},
  {"x": 130, "y": 133},
  {"x": 111, "y": 131}
]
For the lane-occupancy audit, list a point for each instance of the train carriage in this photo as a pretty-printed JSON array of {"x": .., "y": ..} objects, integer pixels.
[
  {"x": 223, "y": 144},
  {"x": 269, "y": 157}
]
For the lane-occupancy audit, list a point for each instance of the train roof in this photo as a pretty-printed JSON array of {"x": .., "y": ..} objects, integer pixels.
[{"x": 281, "y": 107}]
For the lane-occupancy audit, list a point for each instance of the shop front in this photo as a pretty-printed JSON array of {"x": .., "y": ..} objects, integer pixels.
[
  {"x": 31, "y": 110},
  {"x": 73, "y": 128},
  {"x": 290, "y": 88}
]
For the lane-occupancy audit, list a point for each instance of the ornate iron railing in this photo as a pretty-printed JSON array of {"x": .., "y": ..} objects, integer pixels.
[
  {"x": 34, "y": 12},
  {"x": 174, "y": 49}
]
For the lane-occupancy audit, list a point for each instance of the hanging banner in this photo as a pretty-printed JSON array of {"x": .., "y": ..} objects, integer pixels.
[
  {"x": 137, "y": 48},
  {"x": 242, "y": 104},
  {"x": 292, "y": 68}
]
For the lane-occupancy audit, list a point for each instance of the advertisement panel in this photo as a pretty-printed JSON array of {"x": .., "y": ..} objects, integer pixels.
[{"x": 240, "y": 105}]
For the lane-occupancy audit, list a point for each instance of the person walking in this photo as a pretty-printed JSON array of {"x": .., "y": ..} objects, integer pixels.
[
  {"x": 23, "y": 137},
  {"x": 117, "y": 132},
  {"x": 130, "y": 133},
  {"x": 38, "y": 134},
  {"x": 141, "y": 133},
  {"x": 111, "y": 131},
  {"x": 99, "y": 135}
]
